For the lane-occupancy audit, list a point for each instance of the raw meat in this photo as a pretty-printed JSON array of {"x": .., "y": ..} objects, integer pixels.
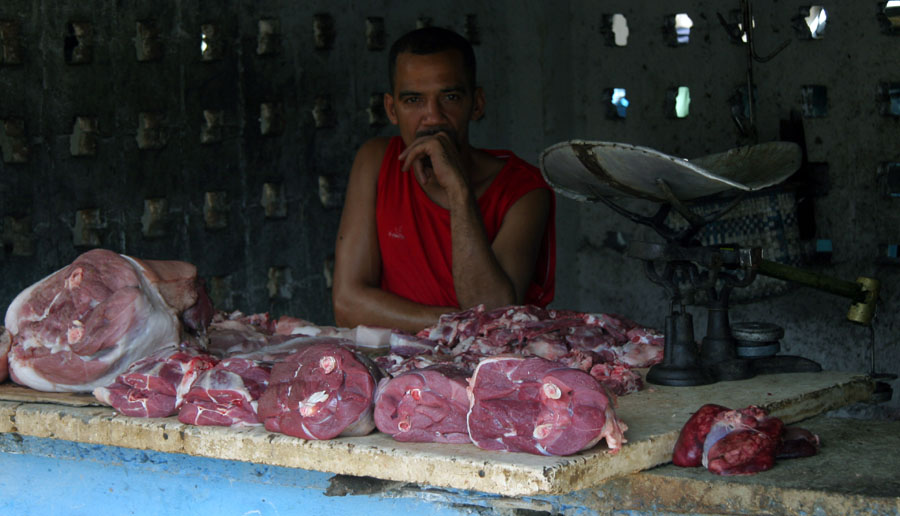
[
  {"x": 742, "y": 442},
  {"x": 155, "y": 386},
  {"x": 538, "y": 406},
  {"x": 83, "y": 325},
  {"x": 236, "y": 333},
  {"x": 797, "y": 442},
  {"x": 227, "y": 394},
  {"x": 425, "y": 405},
  {"x": 739, "y": 442},
  {"x": 180, "y": 287},
  {"x": 689, "y": 447},
  {"x": 619, "y": 379},
  {"x": 578, "y": 339},
  {"x": 5, "y": 342},
  {"x": 321, "y": 392}
]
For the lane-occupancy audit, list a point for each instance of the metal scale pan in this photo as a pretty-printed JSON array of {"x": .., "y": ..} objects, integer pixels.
[{"x": 591, "y": 170}]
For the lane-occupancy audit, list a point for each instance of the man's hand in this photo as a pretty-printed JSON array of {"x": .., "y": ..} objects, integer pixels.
[{"x": 434, "y": 155}]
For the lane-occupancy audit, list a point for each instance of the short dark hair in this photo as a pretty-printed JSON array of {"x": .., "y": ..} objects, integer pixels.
[{"x": 431, "y": 40}]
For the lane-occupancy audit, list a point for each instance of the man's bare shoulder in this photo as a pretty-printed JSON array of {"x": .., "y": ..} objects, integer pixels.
[
  {"x": 367, "y": 162},
  {"x": 373, "y": 149}
]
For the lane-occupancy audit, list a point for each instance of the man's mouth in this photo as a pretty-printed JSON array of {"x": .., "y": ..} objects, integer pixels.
[{"x": 435, "y": 130}]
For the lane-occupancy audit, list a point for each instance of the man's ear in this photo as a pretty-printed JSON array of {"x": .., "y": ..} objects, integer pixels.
[
  {"x": 478, "y": 105},
  {"x": 390, "y": 108}
]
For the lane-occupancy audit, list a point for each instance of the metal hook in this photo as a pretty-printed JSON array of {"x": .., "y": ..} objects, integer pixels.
[
  {"x": 736, "y": 31},
  {"x": 747, "y": 10}
]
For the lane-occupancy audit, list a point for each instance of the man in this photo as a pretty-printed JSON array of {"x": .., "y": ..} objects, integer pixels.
[{"x": 430, "y": 224}]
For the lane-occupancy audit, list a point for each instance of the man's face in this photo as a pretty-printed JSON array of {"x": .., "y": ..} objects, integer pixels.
[{"x": 431, "y": 94}]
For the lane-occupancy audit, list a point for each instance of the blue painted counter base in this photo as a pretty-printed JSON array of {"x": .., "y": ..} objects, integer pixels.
[{"x": 44, "y": 477}]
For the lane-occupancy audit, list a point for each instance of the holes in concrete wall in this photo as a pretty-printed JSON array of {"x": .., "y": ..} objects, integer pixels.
[
  {"x": 215, "y": 210},
  {"x": 890, "y": 174},
  {"x": 823, "y": 252},
  {"x": 279, "y": 284},
  {"x": 889, "y": 254},
  {"x": 154, "y": 221},
  {"x": 890, "y": 99},
  {"x": 614, "y": 28},
  {"x": 83, "y": 140},
  {"x": 376, "y": 37},
  {"x": 86, "y": 232},
  {"x": 151, "y": 134},
  {"x": 322, "y": 112},
  {"x": 17, "y": 236},
  {"x": 678, "y": 102},
  {"x": 268, "y": 38},
  {"x": 377, "y": 116},
  {"x": 13, "y": 142},
  {"x": 889, "y": 17},
  {"x": 814, "y": 101},
  {"x": 814, "y": 18},
  {"x": 323, "y": 31},
  {"x": 678, "y": 28},
  {"x": 212, "y": 127},
  {"x": 148, "y": 44},
  {"x": 618, "y": 103},
  {"x": 273, "y": 201},
  {"x": 212, "y": 43},
  {"x": 271, "y": 118},
  {"x": 78, "y": 45},
  {"x": 10, "y": 43}
]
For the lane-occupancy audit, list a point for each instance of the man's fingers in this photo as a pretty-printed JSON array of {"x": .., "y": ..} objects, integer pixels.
[{"x": 422, "y": 175}]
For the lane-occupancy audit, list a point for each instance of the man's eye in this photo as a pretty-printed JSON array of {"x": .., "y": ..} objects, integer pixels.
[
  {"x": 453, "y": 96},
  {"x": 410, "y": 100}
]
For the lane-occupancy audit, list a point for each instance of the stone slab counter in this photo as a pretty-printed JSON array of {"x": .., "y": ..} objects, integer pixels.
[{"x": 654, "y": 417}]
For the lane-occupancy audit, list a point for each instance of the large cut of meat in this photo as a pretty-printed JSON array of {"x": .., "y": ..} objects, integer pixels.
[
  {"x": 689, "y": 446},
  {"x": 739, "y": 442},
  {"x": 155, "y": 385},
  {"x": 323, "y": 391},
  {"x": 742, "y": 442},
  {"x": 227, "y": 394},
  {"x": 81, "y": 326},
  {"x": 425, "y": 405},
  {"x": 537, "y": 406}
]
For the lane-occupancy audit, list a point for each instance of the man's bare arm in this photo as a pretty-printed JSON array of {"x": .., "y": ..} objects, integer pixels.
[
  {"x": 356, "y": 296},
  {"x": 495, "y": 274},
  {"x": 498, "y": 274}
]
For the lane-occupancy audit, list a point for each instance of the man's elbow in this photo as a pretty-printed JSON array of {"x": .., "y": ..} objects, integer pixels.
[{"x": 343, "y": 311}]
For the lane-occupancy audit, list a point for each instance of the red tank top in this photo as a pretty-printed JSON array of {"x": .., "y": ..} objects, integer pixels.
[{"x": 414, "y": 232}]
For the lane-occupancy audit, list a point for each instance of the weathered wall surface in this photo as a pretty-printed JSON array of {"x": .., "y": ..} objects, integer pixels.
[{"x": 118, "y": 131}]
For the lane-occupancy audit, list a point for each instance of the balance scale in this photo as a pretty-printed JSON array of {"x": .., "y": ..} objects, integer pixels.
[{"x": 610, "y": 172}]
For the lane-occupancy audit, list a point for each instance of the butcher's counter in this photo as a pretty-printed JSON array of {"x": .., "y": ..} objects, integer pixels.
[{"x": 63, "y": 454}]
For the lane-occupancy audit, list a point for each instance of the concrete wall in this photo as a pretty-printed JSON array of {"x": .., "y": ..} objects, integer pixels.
[{"x": 545, "y": 67}]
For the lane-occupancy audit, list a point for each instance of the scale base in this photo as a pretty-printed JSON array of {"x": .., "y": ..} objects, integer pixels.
[
  {"x": 785, "y": 364},
  {"x": 732, "y": 369},
  {"x": 660, "y": 374}
]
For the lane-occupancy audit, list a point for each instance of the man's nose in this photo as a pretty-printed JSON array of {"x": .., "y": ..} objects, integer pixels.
[{"x": 433, "y": 110}]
